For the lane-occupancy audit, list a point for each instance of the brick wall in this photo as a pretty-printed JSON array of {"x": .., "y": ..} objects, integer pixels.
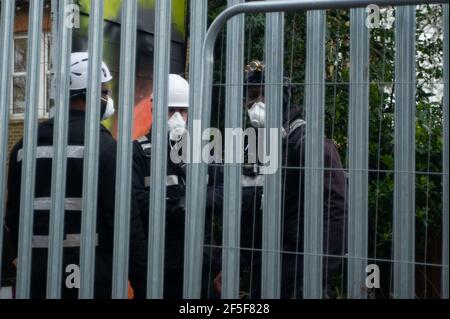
[
  {"x": 15, "y": 133},
  {"x": 21, "y": 20}
]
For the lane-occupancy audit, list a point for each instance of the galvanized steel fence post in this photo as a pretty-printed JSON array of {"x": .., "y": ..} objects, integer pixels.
[
  {"x": 6, "y": 42},
  {"x": 358, "y": 134},
  {"x": 445, "y": 164},
  {"x": 61, "y": 63},
  {"x": 29, "y": 147},
  {"x": 405, "y": 129},
  {"x": 124, "y": 149},
  {"x": 157, "y": 218},
  {"x": 232, "y": 174},
  {"x": 315, "y": 113},
  {"x": 91, "y": 153},
  {"x": 193, "y": 223},
  {"x": 271, "y": 218}
]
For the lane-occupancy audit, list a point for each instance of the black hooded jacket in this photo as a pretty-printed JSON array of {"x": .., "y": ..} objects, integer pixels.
[{"x": 334, "y": 217}]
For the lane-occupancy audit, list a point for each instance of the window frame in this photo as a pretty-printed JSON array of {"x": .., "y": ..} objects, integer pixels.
[{"x": 44, "y": 72}]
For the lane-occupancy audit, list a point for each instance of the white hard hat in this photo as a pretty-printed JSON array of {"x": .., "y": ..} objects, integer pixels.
[
  {"x": 178, "y": 95},
  {"x": 79, "y": 71}
]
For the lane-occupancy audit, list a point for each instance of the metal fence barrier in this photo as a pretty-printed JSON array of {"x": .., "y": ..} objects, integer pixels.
[{"x": 200, "y": 75}]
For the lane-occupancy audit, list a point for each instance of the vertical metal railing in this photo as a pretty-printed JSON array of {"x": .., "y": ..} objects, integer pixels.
[
  {"x": 232, "y": 174},
  {"x": 63, "y": 45},
  {"x": 271, "y": 218},
  {"x": 358, "y": 135},
  {"x": 315, "y": 113},
  {"x": 404, "y": 180},
  {"x": 29, "y": 147},
  {"x": 6, "y": 42},
  {"x": 158, "y": 170},
  {"x": 445, "y": 164},
  {"x": 192, "y": 252},
  {"x": 91, "y": 153},
  {"x": 124, "y": 149}
]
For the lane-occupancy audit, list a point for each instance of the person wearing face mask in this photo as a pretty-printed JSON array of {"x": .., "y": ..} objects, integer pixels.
[
  {"x": 292, "y": 163},
  {"x": 178, "y": 106},
  {"x": 73, "y": 193}
]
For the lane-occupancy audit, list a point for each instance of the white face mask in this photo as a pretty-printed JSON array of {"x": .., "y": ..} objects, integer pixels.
[
  {"x": 176, "y": 126},
  {"x": 257, "y": 114},
  {"x": 109, "y": 111}
]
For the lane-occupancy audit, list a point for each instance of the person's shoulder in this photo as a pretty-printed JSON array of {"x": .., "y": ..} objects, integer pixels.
[
  {"x": 147, "y": 138},
  {"x": 143, "y": 145},
  {"x": 296, "y": 132},
  {"x": 106, "y": 135},
  {"x": 107, "y": 142},
  {"x": 331, "y": 152},
  {"x": 329, "y": 144},
  {"x": 16, "y": 148},
  {"x": 104, "y": 131},
  {"x": 48, "y": 123}
]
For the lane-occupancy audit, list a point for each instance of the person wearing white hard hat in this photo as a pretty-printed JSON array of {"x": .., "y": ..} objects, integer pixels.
[
  {"x": 73, "y": 196},
  {"x": 79, "y": 82},
  {"x": 177, "y": 115}
]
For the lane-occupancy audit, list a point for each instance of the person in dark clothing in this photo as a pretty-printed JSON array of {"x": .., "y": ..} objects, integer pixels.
[
  {"x": 293, "y": 162},
  {"x": 73, "y": 200},
  {"x": 178, "y": 104}
]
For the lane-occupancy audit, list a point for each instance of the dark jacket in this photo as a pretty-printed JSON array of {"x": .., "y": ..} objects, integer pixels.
[
  {"x": 335, "y": 214},
  {"x": 175, "y": 211},
  {"x": 72, "y": 220}
]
